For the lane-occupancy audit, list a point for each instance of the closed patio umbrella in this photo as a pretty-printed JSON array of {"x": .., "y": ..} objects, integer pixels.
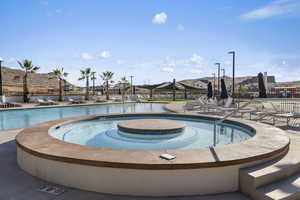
[
  {"x": 209, "y": 90},
  {"x": 134, "y": 90},
  {"x": 261, "y": 86},
  {"x": 224, "y": 94}
]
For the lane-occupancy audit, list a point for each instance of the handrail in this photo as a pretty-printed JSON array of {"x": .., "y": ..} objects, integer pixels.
[
  {"x": 233, "y": 112},
  {"x": 217, "y": 122}
]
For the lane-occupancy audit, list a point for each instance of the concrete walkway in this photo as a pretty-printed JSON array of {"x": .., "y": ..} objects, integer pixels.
[{"x": 15, "y": 184}]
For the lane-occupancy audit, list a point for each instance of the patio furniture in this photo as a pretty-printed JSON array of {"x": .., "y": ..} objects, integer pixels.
[
  {"x": 42, "y": 102},
  {"x": 196, "y": 104},
  {"x": 269, "y": 110},
  {"x": 50, "y": 101},
  {"x": 6, "y": 104},
  {"x": 75, "y": 101},
  {"x": 100, "y": 99}
]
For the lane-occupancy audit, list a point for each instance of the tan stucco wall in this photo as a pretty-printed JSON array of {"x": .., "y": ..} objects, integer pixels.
[{"x": 132, "y": 181}]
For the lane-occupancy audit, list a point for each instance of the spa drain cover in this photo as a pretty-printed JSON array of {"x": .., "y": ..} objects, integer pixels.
[{"x": 50, "y": 189}]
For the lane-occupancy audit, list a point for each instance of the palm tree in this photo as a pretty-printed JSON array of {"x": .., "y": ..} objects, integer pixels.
[
  {"x": 61, "y": 75},
  {"x": 85, "y": 75},
  {"x": 124, "y": 83},
  {"x": 93, "y": 78},
  {"x": 28, "y": 68},
  {"x": 106, "y": 77}
]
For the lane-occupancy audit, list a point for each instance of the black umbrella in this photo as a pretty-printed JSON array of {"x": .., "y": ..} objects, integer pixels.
[
  {"x": 102, "y": 91},
  {"x": 209, "y": 90},
  {"x": 119, "y": 91},
  {"x": 133, "y": 89},
  {"x": 224, "y": 94},
  {"x": 261, "y": 86},
  {"x": 174, "y": 89}
]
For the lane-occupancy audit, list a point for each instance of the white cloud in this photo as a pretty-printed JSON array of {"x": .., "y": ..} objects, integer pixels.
[
  {"x": 275, "y": 8},
  {"x": 168, "y": 69},
  {"x": 86, "y": 56},
  {"x": 196, "y": 71},
  {"x": 160, "y": 18},
  {"x": 11, "y": 60},
  {"x": 180, "y": 27},
  {"x": 105, "y": 54},
  {"x": 196, "y": 59}
]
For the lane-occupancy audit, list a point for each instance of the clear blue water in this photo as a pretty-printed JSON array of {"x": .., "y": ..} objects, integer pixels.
[
  {"x": 103, "y": 132},
  {"x": 22, "y": 118}
]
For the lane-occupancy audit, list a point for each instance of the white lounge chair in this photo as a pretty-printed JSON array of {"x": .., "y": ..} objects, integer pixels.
[
  {"x": 75, "y": 101},
  {"x": 5, "y": 104},
  {"x": 100, "y": 99},
  {"x": 42, "y": 102}
]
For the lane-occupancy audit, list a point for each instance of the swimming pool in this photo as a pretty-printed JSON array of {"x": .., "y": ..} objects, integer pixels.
[
  {"x": 105, "y": 133},
  {"x": 22, "y": 118}
]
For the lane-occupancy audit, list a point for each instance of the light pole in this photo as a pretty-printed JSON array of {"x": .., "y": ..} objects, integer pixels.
[
  {"x": 223, "y": 73},
  {"x": 214, "y": 74},
  {"x": 233, "y": 72},
  {"x": 1, "y": 90},
  {"x": 218, "y": 65},
  {"x": 131, "y": 88}
]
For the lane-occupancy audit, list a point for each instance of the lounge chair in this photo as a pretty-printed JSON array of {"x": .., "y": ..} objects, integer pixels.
[
  {"x": 50, "y": 101},
  {"x": 100, "y": 99},
  {"x": 213, "y": 105},
  {"x": 117, "y": 99},
  {"x": 198, "y": 104},
  {"x": 75, "y": 101},
  {"x": 5, "y": 104},
  {"x": 42, "y": 102},
  {"x": 268, "y": 111}
]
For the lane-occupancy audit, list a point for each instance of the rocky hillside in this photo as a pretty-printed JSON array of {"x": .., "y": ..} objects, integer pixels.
[
  {"x": 12, "y": 80},
  {"x": 244, "y": 81}
]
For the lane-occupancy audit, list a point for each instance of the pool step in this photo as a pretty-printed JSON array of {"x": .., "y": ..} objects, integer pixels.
[
  {"x": 288, "y": 189},
  {"x": 255, "y": 180}
]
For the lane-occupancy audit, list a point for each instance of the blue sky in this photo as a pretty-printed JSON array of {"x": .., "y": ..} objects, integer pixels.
[{"x": 153, "y": 40}]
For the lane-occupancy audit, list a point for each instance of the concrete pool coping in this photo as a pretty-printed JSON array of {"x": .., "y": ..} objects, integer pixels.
[{"x": 268, "y": 142}]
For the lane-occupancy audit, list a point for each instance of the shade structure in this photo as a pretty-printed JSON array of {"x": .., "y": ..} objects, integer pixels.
[
  {"x": 176, "y": 86},
  {"x": 224, "y": 94},
  {"x": 209, "y": 90},
  {"x": 261, "y": 86},
  {"x": 150, "y": 87}
]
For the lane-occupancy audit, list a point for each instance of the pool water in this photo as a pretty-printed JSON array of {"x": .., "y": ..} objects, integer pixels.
[
  {"x": 103, "y": 132},
  {"x": 22, "y": 118}
]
